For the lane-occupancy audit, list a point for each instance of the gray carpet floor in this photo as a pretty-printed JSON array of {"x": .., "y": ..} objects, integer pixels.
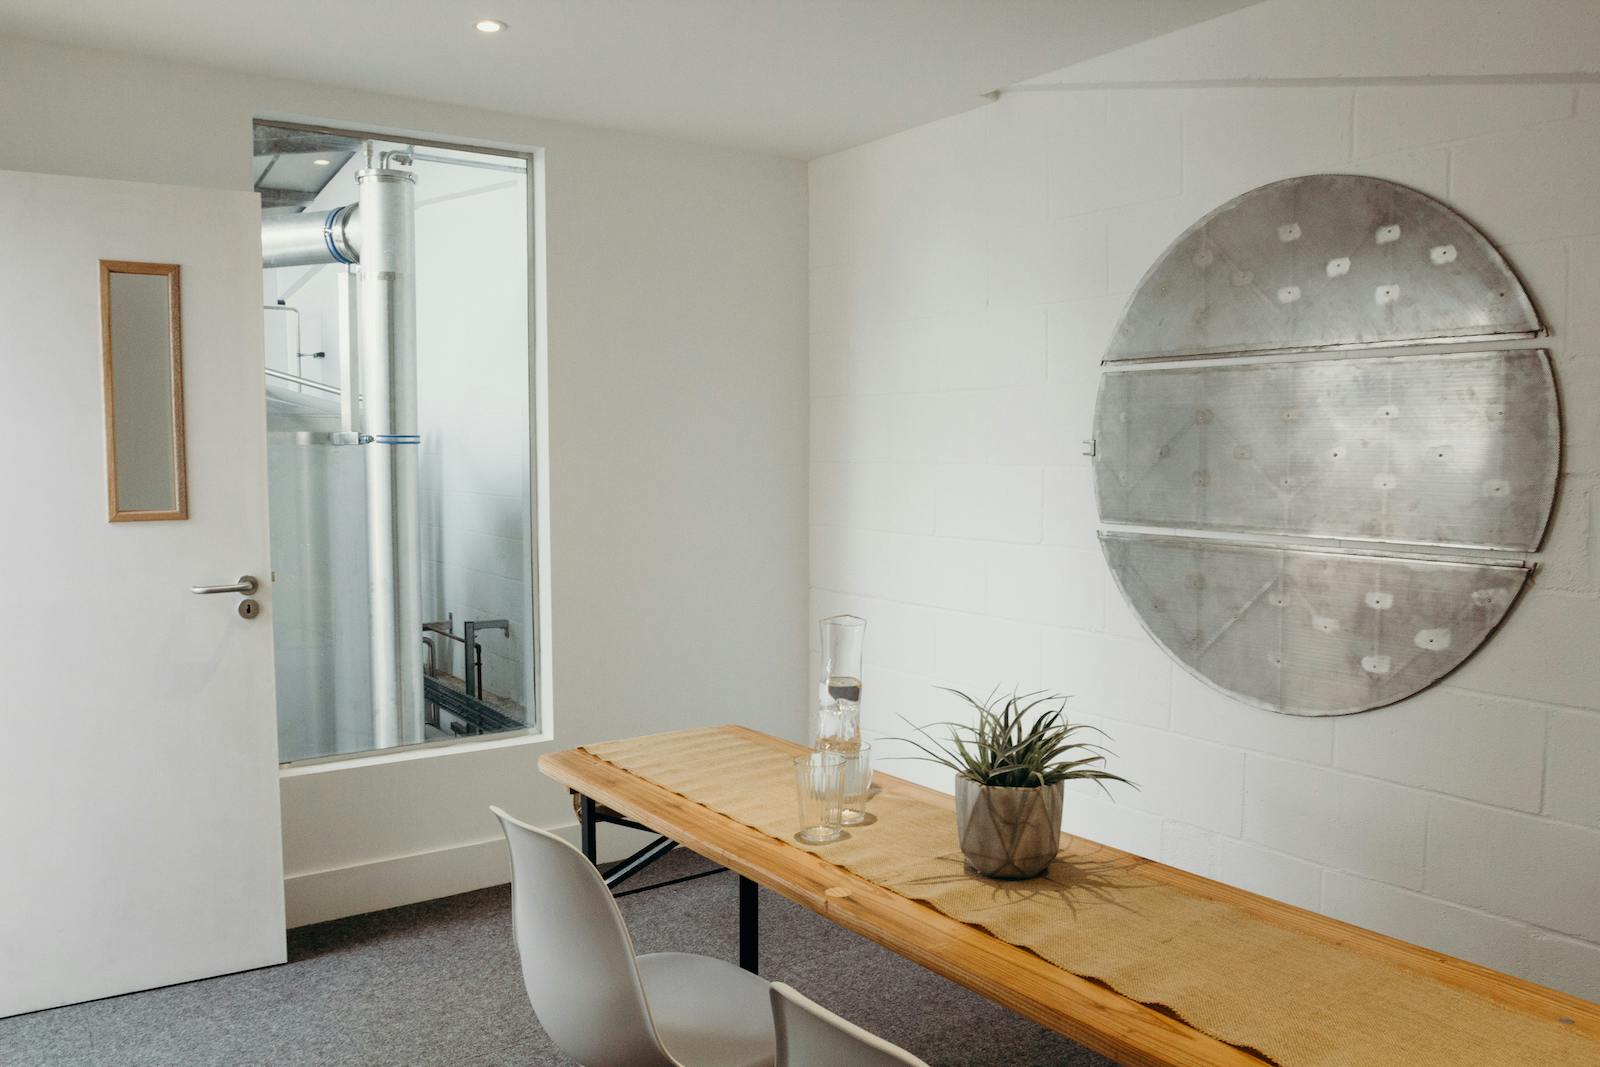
[{"x": 439, "y": 983}]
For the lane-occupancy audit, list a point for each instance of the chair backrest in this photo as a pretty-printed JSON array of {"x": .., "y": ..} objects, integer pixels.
[
  {"x": 810, "y": 1035},
  {"x": 577, "y": 958}
]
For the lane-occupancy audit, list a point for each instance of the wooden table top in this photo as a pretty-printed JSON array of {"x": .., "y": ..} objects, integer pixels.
[{"x": 1082, "y": 1010}]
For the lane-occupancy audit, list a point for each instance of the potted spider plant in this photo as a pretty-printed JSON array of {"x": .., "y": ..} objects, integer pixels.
[{"x": 1011, "y": 766}]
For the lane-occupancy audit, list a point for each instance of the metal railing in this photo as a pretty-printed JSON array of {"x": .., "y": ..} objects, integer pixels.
[{"x": 295, "y": 379}]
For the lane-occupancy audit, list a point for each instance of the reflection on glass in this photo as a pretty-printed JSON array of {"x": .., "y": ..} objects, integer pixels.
[
  {"x": 474, "y": 463},
  {"x": 144, "y": 391}
]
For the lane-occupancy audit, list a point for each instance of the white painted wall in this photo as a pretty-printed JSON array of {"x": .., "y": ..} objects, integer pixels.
[
  {"x": 676, "y": 447},
  {"x": 965, "y": 277}
]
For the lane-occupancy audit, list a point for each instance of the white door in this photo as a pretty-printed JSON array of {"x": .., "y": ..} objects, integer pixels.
[{"x": 139, "y": 821}]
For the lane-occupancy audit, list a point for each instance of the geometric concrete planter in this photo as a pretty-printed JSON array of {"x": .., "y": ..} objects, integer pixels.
[{"x": 1008, "y": 832}]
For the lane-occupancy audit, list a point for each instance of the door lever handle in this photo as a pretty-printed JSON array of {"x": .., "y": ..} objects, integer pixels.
[{"x": 245, "y": 586}]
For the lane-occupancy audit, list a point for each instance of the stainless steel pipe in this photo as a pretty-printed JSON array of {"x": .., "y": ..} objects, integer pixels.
[
  {"x": 378, "y": 233},
  {"x": 312, "y": 237},
  {"x": 388, "y": 365}
]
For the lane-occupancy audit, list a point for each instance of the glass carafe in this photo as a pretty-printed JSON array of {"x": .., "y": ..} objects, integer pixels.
[{"x": 837, "y": 722}]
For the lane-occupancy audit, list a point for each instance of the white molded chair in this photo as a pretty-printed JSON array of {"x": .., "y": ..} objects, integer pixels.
[
  {"x": 810, "y": 1035},
  {"x": 602, "y": 1004}
]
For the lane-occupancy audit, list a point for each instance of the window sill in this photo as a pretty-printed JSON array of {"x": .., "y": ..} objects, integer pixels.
[{"x": 428, "y": 750}]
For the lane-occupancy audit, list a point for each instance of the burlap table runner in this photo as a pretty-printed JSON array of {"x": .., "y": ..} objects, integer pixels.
[{"x": 1249, "y": 982}]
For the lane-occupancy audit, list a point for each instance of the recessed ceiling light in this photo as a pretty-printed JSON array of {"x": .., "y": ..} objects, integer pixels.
[
  {"x": 489, "y": 25},
  {"x": 322, "y": 162}
]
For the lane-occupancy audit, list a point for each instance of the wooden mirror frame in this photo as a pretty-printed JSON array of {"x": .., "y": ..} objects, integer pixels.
[{"x": 180, "y": 481}]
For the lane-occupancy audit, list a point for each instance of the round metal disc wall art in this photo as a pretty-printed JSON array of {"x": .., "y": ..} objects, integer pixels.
[{"x": 1321, "y": 506}]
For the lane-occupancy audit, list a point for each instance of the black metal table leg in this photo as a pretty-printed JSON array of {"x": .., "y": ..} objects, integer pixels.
[
  {"x": 749, "y": 925},
  {"x": 586, "y": 827},
  {"x": 637, "y": 862}
]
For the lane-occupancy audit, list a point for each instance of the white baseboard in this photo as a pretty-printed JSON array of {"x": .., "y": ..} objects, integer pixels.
[{"x": 317, "y": 896}]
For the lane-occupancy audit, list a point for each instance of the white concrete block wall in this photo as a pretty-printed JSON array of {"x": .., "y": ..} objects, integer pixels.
[{"x": 965, "y": 277}]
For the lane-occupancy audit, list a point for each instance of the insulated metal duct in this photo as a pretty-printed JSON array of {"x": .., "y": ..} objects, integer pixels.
[
  {"x": 312, "y": 237},
  {"x": 377, "y": 235}
]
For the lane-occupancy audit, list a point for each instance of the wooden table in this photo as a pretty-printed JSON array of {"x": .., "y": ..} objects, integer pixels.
[{"x": 1082, "y": 1010}]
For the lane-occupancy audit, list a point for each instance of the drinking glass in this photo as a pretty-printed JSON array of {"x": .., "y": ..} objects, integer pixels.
[
  {"x": 837, "y": 723},
  {"x": 857, "y": 784},
  {"x": 819, "y": 780}
]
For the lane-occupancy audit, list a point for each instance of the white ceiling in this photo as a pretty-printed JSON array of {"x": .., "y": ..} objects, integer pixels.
[{"x": 800, "y": 78}]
